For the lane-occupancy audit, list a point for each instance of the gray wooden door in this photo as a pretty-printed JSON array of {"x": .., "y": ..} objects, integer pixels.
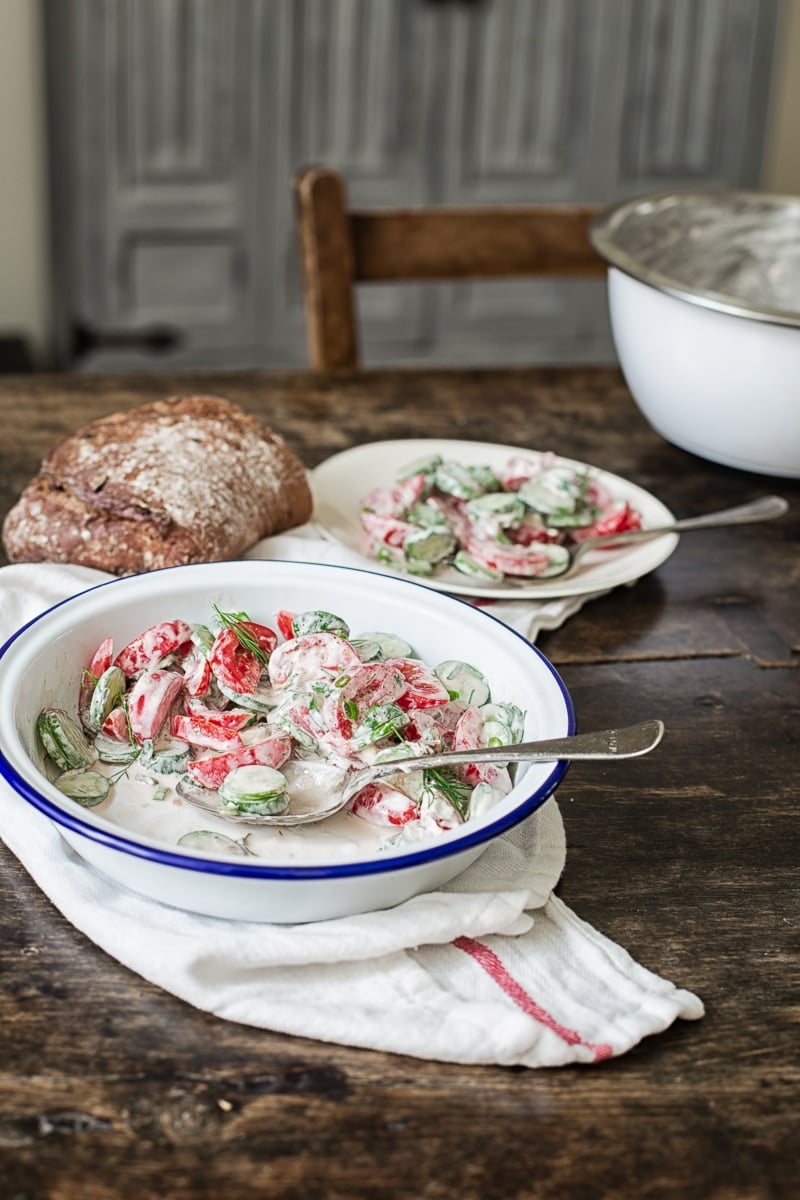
[{"x": 176, "y": 126}]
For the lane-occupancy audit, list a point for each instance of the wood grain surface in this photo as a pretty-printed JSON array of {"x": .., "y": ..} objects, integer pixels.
[{"x": 110, "y": 1087}]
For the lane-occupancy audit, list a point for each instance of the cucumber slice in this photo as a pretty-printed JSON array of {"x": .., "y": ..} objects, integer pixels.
[
  {"x": 256, "y": 790},
  {"x": 561, "y": 495},
  {"x": 428, "y": 545},
  {"x": 318, "y": 621},
  {"x": 456, "y": 480},
  {"x": 109, "y": 750},
  {"x": 506, "y": 714},
  {"x": 464, "y": 682},
  {"x": 421, "y": 466},
  {"x": 495, "y": 733},
  {"x": 367, "y": 649},
  {"x": 379, "y": 721},
  {"x": 213, "y": 843},
  {"x": 262, "y": 700},
  {"x": 203, "y": 638},
  {"x": 89, "y": 788},
  {"x": 503, "y": 509},
  {"x": 63, "y": 739},
  {"x": 468, "y": 565},
  {"x": 390, "y": 645},
  {"x": 108, "y": 691},
  {"x": 168, "y": 757},
  {"x": 486, "y": 477},
  {"x": 427, "y": 515}
]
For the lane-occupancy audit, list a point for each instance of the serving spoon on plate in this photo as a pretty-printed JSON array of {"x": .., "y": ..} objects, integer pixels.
[
  {"x": 630, "y": 741},
  {"x": 764, "y": 509}
]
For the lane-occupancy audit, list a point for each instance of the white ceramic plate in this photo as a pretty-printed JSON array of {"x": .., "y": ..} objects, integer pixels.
[{"x": 340, "y": 482}]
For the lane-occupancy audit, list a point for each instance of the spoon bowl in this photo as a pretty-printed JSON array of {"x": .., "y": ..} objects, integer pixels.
[
  {"x": 629, "y": 741},
  {"x": 764, "y": 509}
]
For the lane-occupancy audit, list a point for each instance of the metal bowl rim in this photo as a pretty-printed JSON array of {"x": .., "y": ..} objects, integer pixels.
[{"x": 607, "y": 225}]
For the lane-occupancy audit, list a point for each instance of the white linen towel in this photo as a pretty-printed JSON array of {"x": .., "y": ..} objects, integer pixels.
[{"x": 492, "y": 968}]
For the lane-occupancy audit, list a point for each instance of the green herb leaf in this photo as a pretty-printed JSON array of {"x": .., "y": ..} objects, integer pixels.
[
  {"x": 454, "y": 790},
  {"x": 243, "y": 636}
]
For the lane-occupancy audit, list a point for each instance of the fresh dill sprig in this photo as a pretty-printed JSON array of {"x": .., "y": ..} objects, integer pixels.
[
  {"x": 124, "y": 705},
  {"x": 243, "y": 635},
  {"x": 455, "y": 791},
  {"x": 444, "y": 780}
]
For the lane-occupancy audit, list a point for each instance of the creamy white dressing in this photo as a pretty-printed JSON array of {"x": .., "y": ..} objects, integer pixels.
[{"x": 341, "y": 838}]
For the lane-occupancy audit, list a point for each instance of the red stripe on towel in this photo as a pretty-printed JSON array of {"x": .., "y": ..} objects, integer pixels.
[{"x": 493, "y": 967}]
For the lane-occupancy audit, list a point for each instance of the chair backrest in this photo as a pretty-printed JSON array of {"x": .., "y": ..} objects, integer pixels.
[{"x": 341, "y": 248}]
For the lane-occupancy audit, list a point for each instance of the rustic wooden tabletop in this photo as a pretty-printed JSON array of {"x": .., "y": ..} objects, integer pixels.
[{"x": 110, "y": 1087}]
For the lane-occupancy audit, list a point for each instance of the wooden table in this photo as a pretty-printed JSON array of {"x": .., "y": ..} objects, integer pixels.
[{"x": 112, "y": 1088}]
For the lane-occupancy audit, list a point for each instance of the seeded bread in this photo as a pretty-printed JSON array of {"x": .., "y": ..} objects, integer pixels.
[{"x": 182, "y": 480}]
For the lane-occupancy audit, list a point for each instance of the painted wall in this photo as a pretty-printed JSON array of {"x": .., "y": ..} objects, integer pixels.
[
  {"x": 24, "y": 281},
  {"x": 24, "y": 284},
  {"x": 782, "y": 154}
]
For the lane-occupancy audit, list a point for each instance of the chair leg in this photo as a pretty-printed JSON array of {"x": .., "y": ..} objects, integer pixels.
[{"x": 327, "y": 262}]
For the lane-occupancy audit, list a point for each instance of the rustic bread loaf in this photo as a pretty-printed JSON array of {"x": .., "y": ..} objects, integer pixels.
[{"x": 187, "y": 479}]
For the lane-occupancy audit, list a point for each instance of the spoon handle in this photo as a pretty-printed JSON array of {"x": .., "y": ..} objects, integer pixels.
[
  {"x": 627, "y": 742},
  {"x": 765, "y": 509}
]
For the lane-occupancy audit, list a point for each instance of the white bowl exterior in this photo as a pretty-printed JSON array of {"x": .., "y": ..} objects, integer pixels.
[
  {"x": 721, "y": 386},
  {"x": 264, "y": 899},
  {"x": 44, "y": 664}
]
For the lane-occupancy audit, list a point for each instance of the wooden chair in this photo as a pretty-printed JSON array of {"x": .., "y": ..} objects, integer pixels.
[{"x": 339, "y": 249}]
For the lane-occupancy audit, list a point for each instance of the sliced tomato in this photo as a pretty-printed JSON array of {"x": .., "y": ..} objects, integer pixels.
[
  {"x": 150, "y": 701},
  {"x": 116, "y": 725},
  {"x": 526, "y": 561},
  {"x": 617, "y": 518},
  {"x": 356, "y": 691},
  {"x": 468, "y": 731},
  {"x": 102, "y": 658},
  {"x": 235, "y": 665},
  {"x": 151, "y": 646},
  {"x": 468, "y": 735},
  {"x": 529, "y": 532},
  {"x": 198, "y": 731},
  {"x": 227, "y": 720},
  {"x": 311, "y": 657},
  {"x": 381, "y": 804},
  {"x": 209, "y": 772},
  {"x": 392, "y": 531},
  {"x": 283, "y": 620},
  {"x": 394, "y": 501},
  {"x": 517, "y": 471},
  {"x": 424, "y": 728},
  {"x": 196, "y": 673},
  {"x": 423, "y": 689}
]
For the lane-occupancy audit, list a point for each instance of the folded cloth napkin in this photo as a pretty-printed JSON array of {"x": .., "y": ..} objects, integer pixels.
[{"x": 492, "y": 968}]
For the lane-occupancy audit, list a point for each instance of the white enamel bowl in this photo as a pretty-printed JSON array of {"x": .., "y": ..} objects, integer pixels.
[
  {"x": 41, "y": 666},
  {"x": 704, "y": 299}
]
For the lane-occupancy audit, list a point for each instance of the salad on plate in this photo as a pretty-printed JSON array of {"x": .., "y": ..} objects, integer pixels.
[{"x": 489, "y": 523}]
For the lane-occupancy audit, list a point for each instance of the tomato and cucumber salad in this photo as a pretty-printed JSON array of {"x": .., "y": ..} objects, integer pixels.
[
  {"x": 486, "y": 523},
  {"x": 229, "y": 703}
]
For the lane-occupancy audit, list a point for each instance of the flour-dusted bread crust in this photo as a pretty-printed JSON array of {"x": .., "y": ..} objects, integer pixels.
[{"x": 187, "y": 479}]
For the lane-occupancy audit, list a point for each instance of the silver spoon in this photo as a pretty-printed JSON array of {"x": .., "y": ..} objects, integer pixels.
[
  {"x": 627, "y": 742},
  {"x": 765, "y": 509}
]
